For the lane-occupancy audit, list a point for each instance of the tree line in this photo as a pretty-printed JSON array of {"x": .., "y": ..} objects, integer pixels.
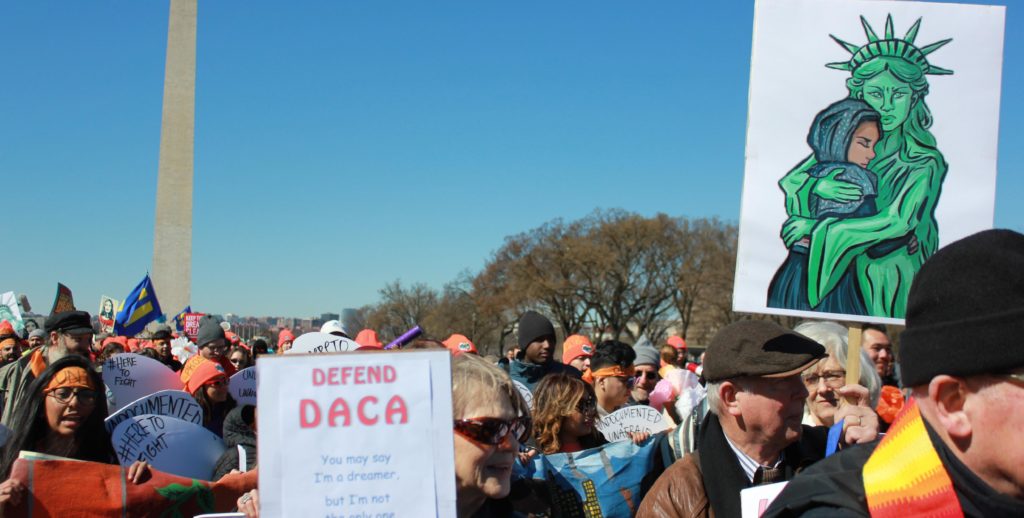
[{"x": 610, "y": 275}]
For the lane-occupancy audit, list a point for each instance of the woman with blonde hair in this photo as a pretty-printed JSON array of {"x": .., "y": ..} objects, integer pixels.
[{"x": 564, "y": 411}]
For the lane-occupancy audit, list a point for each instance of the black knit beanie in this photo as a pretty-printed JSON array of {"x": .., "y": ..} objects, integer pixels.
[
  {"x": 965, "y": 313},
  {"x": 209, "y": 330},
  {"x": 533, "y": 325}
]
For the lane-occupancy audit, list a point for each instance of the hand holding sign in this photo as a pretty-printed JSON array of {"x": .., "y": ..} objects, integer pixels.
[{"x": 130, "y": 376}]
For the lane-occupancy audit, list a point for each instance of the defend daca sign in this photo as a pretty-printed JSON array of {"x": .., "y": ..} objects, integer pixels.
[{"x": 362, "y": 419}]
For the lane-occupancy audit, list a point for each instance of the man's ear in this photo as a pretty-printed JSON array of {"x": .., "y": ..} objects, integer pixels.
[
  {"x": 727, "y": 392},
  {"x": 949, "y": 396}
]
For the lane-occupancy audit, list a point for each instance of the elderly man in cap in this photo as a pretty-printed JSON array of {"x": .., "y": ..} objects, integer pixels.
[
  {"x": 161, "y": 339},
  {"x": 537, "y": 349},
  {"x": 752, "y": 434},
  {"x": 645, "y": 372},
  {"x": 36, "y": 338},
  {"x": 70, "y": 333},
  {"x": 956, "y": 448}
]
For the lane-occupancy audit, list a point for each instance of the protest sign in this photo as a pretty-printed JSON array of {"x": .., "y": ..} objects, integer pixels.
[
  {"x": 130, "y": 376},
  {"x": 525, "y": 392},
  {"x": 321, "y": 343},
  {"x": 243, "y": 386},
  {"x": 107, "y": 313},
  {"x": 754, "y": 501},
  {"x": 10, "y": 311},
  {"x": 837, "y": 227},
  {"x": 168, "y": 444},
  {"x": 374, "y": 431},
  {"x": 617, "y": 425},
  {"x": 169, "y": 403},
  {"x": 604, "y": 481},
  {"x": 192, "y": 325}
]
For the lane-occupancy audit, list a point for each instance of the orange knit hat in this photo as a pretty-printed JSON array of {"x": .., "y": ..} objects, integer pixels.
[{"x": 576, "y": 346}]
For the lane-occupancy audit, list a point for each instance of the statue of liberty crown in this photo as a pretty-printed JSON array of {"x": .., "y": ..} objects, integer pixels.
[{"x": 890, "y": 46}]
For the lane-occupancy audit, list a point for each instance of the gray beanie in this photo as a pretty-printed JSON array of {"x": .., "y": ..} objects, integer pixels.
[
  {"x": 209, "y": 330},
  {"x": 646, "y": 354},
  {"x": 37, "y": 333}
]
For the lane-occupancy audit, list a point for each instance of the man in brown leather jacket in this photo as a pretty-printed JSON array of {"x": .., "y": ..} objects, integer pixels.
[{"x": 752, "y": 434}]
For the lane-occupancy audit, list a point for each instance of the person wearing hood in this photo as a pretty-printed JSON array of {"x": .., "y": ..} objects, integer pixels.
[
  {"x": 536, "y": 356},
  {"x": 162, "y": 344},
  {"x": 239, "y": 430}
]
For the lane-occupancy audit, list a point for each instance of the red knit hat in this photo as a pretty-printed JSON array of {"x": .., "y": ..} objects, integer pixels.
[
  {"x": 677, "y": 342},
  {"x": 576, "y": 346},
  {"x": 459, "y": 344},
  {"x": 368, "y": 338},
  {"x": 286, "y": 335},
  {"x": 206, "y": 373}
]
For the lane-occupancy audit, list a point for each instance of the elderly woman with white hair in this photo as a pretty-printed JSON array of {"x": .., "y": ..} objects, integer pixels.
[
  {"x": 491, "y": 420},
  {"x": 824, "y": 380}
]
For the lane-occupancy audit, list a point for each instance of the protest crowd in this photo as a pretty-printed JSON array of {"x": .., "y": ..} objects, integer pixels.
[{"x": 933, "y": 429}]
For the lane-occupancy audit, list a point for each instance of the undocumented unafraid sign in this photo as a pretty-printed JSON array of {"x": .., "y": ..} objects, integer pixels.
[
  {"x": 617, "y": 425},
  {"x": 243, "y": 386},
  {"x": 375, "y": 431},
  {"x": 169, "y": 403}
]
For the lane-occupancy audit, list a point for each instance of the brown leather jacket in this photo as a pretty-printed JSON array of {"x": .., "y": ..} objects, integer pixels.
[{"x": 678, "y": 493}]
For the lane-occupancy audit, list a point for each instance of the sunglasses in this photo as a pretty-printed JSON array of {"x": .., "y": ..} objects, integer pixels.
[
  {"x": 492, "y": 430},
  {"x": 587, "y": 406}
]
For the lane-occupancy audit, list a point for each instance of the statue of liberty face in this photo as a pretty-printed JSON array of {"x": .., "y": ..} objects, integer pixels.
[{"x": 890, "y": 97}]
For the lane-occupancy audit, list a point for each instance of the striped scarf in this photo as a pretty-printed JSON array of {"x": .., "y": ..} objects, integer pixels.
[{"x": 905, "y": 477}]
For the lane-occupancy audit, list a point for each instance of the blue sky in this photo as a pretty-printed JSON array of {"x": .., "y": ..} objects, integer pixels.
[{"x": 344, "y": 144}]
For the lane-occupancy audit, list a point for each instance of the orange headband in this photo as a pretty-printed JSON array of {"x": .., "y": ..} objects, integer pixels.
[
  {"x": 608, "y": 372},
  {"x": 72, "y": 377}
]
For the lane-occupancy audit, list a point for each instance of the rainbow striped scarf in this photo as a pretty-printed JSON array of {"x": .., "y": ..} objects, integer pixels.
[{"x": 905, "y": 477}]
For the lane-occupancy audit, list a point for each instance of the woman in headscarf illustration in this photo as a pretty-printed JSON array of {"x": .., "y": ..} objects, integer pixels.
[
  {"x": 889, "y": 75},
  {"x": 843, "y": 137}
]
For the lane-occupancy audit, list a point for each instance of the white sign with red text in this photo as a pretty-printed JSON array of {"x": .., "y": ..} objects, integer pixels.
[{"x": 375, "y": 431}]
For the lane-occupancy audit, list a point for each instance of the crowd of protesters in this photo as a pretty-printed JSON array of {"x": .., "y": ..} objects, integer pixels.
[{"x": 937, "y": 433}]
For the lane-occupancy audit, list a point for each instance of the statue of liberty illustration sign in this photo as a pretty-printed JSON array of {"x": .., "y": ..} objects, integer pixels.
[
  {"x": 862, "y": 206},
  {"x": 843, "y": 233}
]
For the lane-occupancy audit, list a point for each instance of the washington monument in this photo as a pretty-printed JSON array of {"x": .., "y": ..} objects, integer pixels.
[{"x": 172, "y": 237}]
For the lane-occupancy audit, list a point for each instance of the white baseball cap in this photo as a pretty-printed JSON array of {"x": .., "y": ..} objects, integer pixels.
[{"x": 333, "y": 326}]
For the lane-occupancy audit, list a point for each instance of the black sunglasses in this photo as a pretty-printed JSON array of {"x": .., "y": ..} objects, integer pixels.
[{"x": 492, "y": 430}]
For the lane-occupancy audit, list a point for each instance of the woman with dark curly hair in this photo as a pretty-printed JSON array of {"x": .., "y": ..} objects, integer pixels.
[
  {"x": 564, "y": 410},
  {"x": 62, "y": 416}
]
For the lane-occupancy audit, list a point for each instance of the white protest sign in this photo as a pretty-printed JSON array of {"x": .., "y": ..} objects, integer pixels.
[
  {"x": 617, "y": 425},
  {"x": 928, "y": 176},
  {"x": 525, "y": 392},
  {"x": 754, "y": 501},
  {"x": 10, "y": 311},
  {"x": 371, "y": 434},
  {"x": 321, "y": 343},
  {"x": 243, "y": 386},
  {"x": 168, "y": 444},
  {"x": 130, "y": 376},
  {"x": 169, "y": 403}
]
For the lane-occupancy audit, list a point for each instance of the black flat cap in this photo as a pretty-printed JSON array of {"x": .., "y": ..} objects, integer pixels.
[
  {"x": 759, "y": 348},
  {"x": 70, "y": 322}
]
